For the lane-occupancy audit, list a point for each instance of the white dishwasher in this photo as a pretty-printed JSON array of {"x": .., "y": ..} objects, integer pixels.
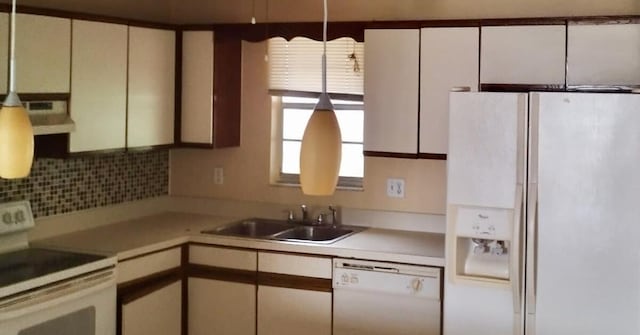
[{"x": 385, "y": 298}]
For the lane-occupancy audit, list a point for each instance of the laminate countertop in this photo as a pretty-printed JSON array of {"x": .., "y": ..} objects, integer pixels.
[{"x": 145, "y": 235}]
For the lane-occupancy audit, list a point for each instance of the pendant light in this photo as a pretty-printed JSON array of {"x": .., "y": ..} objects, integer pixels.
[
  {"x": 321, "y": 150},
  {"x": 16, "y": 133}
]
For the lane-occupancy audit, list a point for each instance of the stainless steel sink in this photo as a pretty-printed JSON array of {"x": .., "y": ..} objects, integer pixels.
[
  {"x": 283, "y": 230},
  {"x": 316, "y": 234},
  {"x": 255, "y": 228}
]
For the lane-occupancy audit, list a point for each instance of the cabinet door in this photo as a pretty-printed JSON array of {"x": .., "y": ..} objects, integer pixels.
[
  {"x": 287, "y": 311},
  {"x": 391, "y": 90},
  {"x": 523, "y": 55},
  {"x": 221, "y": 307},
  {"x": 151, "y": 92},
  {"x": 99, "y": 86},
  {"x": 4, "y": 52},
  {"x": 603, "y": 54},
  {"x": 197, "y": 87},
  {"x": 43, "y": 54},
  {"x": 448, "y": 58},
  {"x": 157, "y": 313}
]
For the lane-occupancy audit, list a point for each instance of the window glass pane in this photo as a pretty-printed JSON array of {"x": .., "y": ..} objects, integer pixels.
[
  {"x": 291, "y": 157},
  {"x": 294, "y": 121},
  {"x": 352, "y": 164},
  {"x": 351, "y": 125}
]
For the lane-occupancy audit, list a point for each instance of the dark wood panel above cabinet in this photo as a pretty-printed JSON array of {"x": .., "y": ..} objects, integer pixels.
[{"x": 227, "y": 91}]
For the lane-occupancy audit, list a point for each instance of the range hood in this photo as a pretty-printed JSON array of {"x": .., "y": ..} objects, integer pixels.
[{"x": 49, "y": 117}]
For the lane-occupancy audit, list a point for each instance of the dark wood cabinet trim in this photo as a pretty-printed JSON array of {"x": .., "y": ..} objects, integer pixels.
[
  {"x": 525, "y": 88},
  {"x": 602, "y": 88},
  {"x": 386, "y": 154},
  {"x": 177, "y": 115},
  {"x": 195, "y": 145},
  {"x": 223, "y": 274},
  {"x": 439, "y": 157},
  {"x": 295, "y": 282},
  {"x": 522, "y": 88},
  {"x": 227, "y": 90},
  {"x": 184, "y": 261}
]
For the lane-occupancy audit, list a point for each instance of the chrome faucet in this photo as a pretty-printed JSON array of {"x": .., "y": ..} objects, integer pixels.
[
  {"x": 334, "y": 215},
  {"x": 305, "y": 213}
]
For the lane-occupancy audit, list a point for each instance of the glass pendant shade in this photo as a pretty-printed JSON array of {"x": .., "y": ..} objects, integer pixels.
[
  {"x": 16, "y": 133},
  {"x": 320, "y": 154},
  {"x": 16, "y": 142}
]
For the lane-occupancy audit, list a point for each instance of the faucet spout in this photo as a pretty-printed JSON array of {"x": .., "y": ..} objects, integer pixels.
[{"x": 305, "y": 213}]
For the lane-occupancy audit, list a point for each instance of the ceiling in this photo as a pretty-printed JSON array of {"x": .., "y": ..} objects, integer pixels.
[{"x": 240, "y": 11}]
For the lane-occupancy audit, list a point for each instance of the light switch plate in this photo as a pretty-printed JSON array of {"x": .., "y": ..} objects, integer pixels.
[
  {"x": 218, "y": 176},
  {"x": 395, "y": 188}
]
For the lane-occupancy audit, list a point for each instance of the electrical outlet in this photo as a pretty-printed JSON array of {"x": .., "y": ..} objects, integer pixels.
[
  {"x": 395, "y": 188},
  {"x": 218, "y": 176}
]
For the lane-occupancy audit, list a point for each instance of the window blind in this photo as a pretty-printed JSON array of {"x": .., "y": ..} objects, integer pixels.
[{"x": 296, "y": 65}]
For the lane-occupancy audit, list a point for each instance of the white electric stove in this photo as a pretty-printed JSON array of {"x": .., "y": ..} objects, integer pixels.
[{"x": 45, "y": 291}]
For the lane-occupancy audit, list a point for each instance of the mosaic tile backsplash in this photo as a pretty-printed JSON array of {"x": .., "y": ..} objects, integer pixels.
[{"x": 58, "y": 186}]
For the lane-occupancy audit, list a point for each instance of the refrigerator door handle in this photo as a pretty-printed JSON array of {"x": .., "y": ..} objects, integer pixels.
[
  {"x": 532, "y": 247},
  {"x": 515, "y": 253}
]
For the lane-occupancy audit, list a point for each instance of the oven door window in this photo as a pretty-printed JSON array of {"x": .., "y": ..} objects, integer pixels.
[{"x": 82, "y": 322}]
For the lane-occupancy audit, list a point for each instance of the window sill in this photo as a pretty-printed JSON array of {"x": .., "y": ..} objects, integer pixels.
[{"x": 339, "y": 187}]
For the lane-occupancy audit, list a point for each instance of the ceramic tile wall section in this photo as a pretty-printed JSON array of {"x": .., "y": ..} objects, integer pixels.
[{"x": 57, "y": 186}]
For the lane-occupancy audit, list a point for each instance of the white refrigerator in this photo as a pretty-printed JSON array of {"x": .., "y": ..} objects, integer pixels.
[{"x": 543, "y": 214}]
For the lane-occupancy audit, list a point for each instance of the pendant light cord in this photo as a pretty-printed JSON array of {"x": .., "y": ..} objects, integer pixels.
[
  {"x": 12, "y": 61},
  {"x": 324, "y": 53}
]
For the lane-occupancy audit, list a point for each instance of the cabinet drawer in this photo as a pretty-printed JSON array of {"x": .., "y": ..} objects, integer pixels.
[
  {"x": 295, "y": 265},
  {"x": 223, "y": 257},
  {"x": 147, "y": 265}
]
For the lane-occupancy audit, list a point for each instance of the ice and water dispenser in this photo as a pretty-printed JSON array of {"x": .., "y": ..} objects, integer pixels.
[{"x": 483, "y": 242}]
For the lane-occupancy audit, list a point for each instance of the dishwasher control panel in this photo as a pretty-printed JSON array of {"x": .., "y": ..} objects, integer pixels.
[{"x": 388, "y": 278}]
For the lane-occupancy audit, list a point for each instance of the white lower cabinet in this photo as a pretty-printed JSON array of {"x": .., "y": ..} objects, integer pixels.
[
  {"x": 294, "y": 294},
  {"x": 222, "y": 291},
  {"x": 221, "y": 307},
  {"x": 150, "y": 294},
  {"x": 157, "y": 313},
  {"x": 287, "y": 311}
]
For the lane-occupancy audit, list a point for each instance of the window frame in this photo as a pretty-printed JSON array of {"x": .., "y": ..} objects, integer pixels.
[{"x": 278, "y": 107}]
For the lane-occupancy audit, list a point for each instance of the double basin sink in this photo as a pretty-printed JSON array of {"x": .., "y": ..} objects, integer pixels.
[{"x": 284, "y": 231}]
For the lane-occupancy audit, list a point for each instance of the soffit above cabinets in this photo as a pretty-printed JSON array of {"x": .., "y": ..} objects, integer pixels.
[{"x": 241, "y": 11}]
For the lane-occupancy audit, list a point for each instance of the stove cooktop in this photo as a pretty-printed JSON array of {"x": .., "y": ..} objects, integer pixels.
[{"x": 26, "y": 264}]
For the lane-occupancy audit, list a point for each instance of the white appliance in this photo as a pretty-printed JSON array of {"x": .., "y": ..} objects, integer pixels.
[
  {"x": 46, "y": 291},
  {"x": 376, "y": 298},
  {"x": 542, "y": 214}
]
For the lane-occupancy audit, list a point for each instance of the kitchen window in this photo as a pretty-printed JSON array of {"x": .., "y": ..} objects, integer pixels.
[{"x": 295, "y": 84}]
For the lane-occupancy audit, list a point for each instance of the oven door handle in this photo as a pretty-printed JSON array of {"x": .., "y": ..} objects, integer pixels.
[{"x": 56, "y": 294}]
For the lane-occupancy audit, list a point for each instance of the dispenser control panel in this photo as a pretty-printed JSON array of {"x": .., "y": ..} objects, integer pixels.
[
  {"x": 15, "y": 216},
  {"x": 485, "y": 223}
]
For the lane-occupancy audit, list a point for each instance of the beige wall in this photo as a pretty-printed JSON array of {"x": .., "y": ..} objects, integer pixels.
[{"x": 246, "y": 169}]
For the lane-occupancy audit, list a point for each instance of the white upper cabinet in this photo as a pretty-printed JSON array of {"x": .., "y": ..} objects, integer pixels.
[
  {"x": 448, "y": 58},
  {"x": 151, "y": 105},
  {"x": 197, "y": 87},
  {"x": 523, "y": 55},
  {"x": 99, "y": 86},
  {"x": 603, "y": 54},
  {"x": 391, "y": 92},
  {"x": 4, "y": 52},
  {"x": 43, "y": 54}
]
